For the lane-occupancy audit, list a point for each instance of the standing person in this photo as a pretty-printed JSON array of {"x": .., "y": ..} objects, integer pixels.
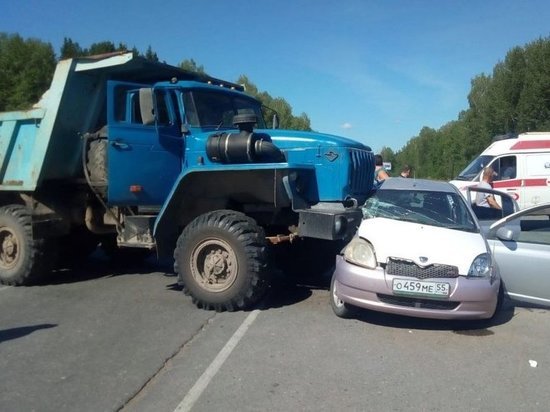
[
  {"x": 380, "y": 173},
  {"x": 487, "y": 199},
  {"x": 405, "y": 171}
]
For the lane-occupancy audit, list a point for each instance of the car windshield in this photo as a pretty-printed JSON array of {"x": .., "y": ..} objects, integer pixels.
[
  {"x": 217, "y": 109},
  {"x": 473, "y": 169},
  {"x": 440, "y": 209}
]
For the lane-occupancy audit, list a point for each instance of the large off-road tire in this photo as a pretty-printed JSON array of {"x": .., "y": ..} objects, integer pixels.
[
  {"x": 221, "y": 259},
  {"x": 22, "y": 259}
]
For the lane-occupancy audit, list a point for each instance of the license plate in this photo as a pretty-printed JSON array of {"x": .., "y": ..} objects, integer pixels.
[{"x": 419, "y": 287}]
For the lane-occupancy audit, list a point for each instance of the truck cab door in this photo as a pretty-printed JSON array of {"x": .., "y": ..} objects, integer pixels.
[{"x": 144, "y": 157}]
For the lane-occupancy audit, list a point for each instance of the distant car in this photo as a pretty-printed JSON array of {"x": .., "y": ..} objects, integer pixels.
[
  {"x": 520, "y": 244},
  {"x": 419, "y": 252}
]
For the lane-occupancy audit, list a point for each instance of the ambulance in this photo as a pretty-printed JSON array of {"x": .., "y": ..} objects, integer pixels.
[{"x": 521, "y": 164}]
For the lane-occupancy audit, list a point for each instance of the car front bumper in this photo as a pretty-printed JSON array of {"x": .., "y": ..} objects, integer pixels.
[{"x": 469, "y": 298}]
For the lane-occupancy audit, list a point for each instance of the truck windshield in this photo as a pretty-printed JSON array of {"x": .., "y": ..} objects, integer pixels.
[
  {"x": 211, "y": 109},
  {"x": 472, "y": 170}
]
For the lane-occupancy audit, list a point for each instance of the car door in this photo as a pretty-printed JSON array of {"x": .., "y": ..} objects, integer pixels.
[
  {"x": 520, "y": 244},
  {"x": 486, "y": 216}
]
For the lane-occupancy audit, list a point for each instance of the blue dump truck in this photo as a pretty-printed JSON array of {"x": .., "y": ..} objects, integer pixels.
[{"x": 129, "y": 154}]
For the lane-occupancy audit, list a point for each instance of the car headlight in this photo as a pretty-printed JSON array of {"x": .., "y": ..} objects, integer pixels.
[
  {"x": 481, "y": 266},
  {"x": 360, "y": 252}
]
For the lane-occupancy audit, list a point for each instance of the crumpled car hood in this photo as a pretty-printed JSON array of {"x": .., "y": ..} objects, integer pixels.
[{"x": 413, "y": 241}]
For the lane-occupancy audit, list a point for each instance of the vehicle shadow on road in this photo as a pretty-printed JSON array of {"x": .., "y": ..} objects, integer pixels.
[
  {"x": 477, "y": 327},
  {"x": 16, "y": 333},
  {"x": 99, "y": 265},
  {"x": 289, "y": 289}
]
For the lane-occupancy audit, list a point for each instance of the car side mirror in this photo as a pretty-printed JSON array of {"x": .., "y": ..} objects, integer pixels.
[{"x": 507, "y": 233}]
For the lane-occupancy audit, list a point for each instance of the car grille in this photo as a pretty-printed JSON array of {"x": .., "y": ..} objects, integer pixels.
[
  {"x": 361, "y": 175},
  {"x": 418, "y": 303},
  {"x": 410, "y": 269}
]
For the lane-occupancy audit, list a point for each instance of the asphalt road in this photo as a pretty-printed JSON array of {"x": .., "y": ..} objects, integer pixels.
[{"x": 109, "y": 338}]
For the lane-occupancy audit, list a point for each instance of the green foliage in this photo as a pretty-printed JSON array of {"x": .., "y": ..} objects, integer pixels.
[
  {"x": 191, "y": 66},
  {"x": 287, "y": 120},
  {"x": 26, "y": 70},
  {"x": 71, "y": 49},
  {"x": 151, "y": 55},
  {"x": 514, "y": 99},
  {"x": 27, "y": 66}
]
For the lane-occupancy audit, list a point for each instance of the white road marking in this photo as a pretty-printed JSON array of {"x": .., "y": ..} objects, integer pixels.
[{"x": 198, "y": 388}]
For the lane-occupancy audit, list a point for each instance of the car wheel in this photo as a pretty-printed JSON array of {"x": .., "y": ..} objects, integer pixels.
[{"x": 340, "y": 308}]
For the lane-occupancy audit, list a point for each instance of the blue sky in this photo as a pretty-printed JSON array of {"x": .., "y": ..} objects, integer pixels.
[{"x": 375, "y": 71}]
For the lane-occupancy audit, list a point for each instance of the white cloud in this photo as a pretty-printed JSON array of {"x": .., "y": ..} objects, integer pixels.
[{"x": 346, "y": 126}]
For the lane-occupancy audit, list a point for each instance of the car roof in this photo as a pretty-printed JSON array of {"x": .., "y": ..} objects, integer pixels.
[{"x": 399, "y": 183}]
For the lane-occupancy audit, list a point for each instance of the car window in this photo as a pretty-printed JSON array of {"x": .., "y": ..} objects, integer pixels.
[
  {"x": 425, "y": 207},
  {"x": 505, "y": 168},
  {"x": 534, "y": 229},
  {"x": 529, "y": 225}
]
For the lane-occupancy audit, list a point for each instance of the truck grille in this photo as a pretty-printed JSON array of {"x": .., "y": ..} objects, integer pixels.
[
  {"x": 361, "y": 174},
  {"x": 410, "y": 269}
]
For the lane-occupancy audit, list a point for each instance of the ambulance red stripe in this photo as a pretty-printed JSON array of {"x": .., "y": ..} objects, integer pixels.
[
  {"x": 517, "y": 182},
  {"x": 531, "y": 144}
]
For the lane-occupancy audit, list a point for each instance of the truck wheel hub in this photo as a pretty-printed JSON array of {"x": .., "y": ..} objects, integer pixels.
[
  {"x": 8, "y": 252},
  {"x": 214, "y": 265}
]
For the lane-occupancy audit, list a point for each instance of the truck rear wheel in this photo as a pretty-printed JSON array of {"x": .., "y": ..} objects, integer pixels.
[
  {"x": 222, "y": 261},
  {"x": 20, "y": 255}
]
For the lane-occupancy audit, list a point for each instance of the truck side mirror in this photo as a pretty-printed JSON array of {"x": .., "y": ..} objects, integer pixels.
[
  {"x": 146, "y": 105},
  {"x": 275, "y": 121}
]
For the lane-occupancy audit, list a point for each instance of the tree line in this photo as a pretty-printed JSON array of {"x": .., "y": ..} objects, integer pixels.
[
  {"x": 514, "y": 99},
  {"x": 27, "y": 67}
]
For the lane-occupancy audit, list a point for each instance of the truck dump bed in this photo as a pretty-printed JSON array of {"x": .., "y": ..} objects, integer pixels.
[{"x": 44, "y": 143}]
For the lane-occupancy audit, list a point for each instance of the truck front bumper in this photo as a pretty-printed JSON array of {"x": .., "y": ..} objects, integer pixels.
[{"x": 329, "y": 222}]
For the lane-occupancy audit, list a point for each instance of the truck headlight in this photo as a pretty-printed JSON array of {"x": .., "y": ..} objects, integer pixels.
[
  {"x": 360, "y": 252},
  {"x": 481, "y": 266}
]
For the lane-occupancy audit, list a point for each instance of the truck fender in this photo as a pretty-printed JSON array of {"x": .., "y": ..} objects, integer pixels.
[{"x": 200, "y": 191}]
